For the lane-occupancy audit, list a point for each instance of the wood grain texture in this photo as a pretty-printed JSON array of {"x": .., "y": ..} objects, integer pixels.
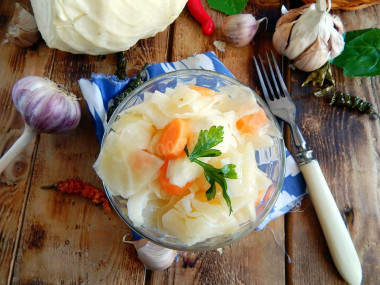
[
  {"x": 347, "y": 145},
  {"x": 15, "y": 63},
  {"x": 84, "y": 242},
  {"x": 255, "y": 259},
  {"x": 47, "y": 237}
]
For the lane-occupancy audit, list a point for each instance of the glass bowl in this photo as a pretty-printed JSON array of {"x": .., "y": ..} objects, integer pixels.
[{"x": 270, "y": 160}]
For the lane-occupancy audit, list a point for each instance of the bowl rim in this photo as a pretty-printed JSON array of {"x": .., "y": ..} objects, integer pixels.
[{"x": 282, "y": 161}]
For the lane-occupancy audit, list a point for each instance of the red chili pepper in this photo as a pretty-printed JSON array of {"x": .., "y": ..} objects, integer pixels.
[
  {"x": 79, "y": 187},
  {"x": 197, "y": 10}
]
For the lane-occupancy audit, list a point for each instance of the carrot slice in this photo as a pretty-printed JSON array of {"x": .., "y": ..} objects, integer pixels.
[
  {"x": 203, "y": 90},
  {"x": 174, "y": 139},
  {"x": 250, "y": 123},
  {"x": 259, "y": 197},
  {"x": 167, "y": 186}
]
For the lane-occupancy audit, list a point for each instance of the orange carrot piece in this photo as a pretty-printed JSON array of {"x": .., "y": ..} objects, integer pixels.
[
  {"x": 261, "y": 193},
  {"x": 250, "y": 123},
  {"x": 203, "y": 90},
  {"x": 174, "y": 139},
  {"x": 167, "y": 186}
]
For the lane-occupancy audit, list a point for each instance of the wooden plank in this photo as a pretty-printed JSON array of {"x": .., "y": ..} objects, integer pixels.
[
  {"x": 249, "y": 261},
  {"x": 15, "y": 63},
  {"x": 347, "y": 146},
  {"x": 255, "y": 259},
  {"x": 66, "y": 239}
]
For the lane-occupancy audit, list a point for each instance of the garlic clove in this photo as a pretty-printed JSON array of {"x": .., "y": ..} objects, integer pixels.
[
  {"x": 338, "y": 24},
  {"x": 281, "y": 38},
  {"x": 336, "y": 45},
  {"x": 22, "y": 29},
  {"x": 240, "y": 29},
  {"x": 153, "y": 256},
  {"x": 336, "y": 42},
  {"x": 314, "y": 57},
  {"x": 156, "y": 257},
  {"x": 290, "y": 16}
]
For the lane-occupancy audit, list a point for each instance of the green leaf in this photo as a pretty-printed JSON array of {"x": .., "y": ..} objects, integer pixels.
[
  {"x": 229, "y": 7},
  {"x": 361, "y": 54},
  {"x": 353, "y": 34},
  {"x": 206, "y": 141},
  {"x": 229, "y": 171},
  {"x": 228, "y": 200},
  {"x": 203, "y": 148},
  {"x": 211, "y": 192}
]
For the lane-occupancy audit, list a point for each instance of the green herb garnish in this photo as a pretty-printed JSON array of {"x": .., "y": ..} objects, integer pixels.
[{"x": 204, "y": 148}]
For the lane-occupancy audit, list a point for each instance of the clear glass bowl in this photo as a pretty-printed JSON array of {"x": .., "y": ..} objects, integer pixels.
[{"x": 270, "y": 160}]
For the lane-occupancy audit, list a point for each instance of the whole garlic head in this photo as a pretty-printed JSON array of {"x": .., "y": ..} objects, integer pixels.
[
  {"x": 100, "y": 27},
  {"x": 310, "y": 36}
]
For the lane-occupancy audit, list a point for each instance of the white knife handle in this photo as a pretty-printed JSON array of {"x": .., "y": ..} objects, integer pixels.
[{"x": 338, "y": 239}]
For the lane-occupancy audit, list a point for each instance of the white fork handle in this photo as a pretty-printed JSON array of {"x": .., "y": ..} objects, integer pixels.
[{"x": 338, "y": 239}]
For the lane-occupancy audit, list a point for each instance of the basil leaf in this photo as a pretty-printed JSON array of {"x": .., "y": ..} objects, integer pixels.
[
  {"x": 353, "y": 34},
  {"x": 229, "y": 7},
  {"x": 361, "y": 54}
]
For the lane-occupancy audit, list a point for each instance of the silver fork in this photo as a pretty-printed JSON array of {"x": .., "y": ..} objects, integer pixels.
[{"x": 337, "y": 237}]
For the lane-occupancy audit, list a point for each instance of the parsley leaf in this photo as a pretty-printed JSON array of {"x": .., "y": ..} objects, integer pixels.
[
  {"x": 229, "y": 7},
  {"x": 204, "y": 148},
  {"x": 206, "y": 141}
]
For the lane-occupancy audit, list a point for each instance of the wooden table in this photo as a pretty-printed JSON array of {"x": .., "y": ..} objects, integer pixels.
[{"x": 48, "y": 237}]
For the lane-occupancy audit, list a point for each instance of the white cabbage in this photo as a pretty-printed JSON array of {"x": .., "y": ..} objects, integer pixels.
[
  {"x": 102, "y": 26},
  {"x": 181, "y": 171}
]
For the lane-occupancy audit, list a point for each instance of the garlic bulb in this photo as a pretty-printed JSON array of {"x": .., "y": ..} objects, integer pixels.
[
  {"x": 153, "y": 256},
  {"x": 309, "y": 36},
  {"x": 22, "y": 29},
  {"x": 240, "y": 29},
  {"x": 102, "y": 27},
  {"x": 45, "y": 107}
]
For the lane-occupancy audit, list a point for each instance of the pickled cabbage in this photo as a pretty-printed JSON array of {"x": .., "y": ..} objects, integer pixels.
[{"x": 129, "y": 163}]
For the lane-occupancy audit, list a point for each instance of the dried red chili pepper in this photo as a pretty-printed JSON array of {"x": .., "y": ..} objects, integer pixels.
[
  {"x": 79, "y": 187},
  {"x": 197, "y": 10}
]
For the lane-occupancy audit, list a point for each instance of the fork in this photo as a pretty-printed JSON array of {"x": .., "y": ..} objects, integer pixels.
[{"x": 337, "y": 237}]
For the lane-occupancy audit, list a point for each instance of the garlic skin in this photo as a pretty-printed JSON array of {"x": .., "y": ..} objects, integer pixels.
[
  {"x": 22, "y": 29},
  {"x": 153, "y": 256},
  {"x": 240, "y": 29},
  {"x": 309, "y": 36}
]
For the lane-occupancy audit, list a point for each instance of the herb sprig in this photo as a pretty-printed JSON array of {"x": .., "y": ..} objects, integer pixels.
[{"x": 204, "y": 148}]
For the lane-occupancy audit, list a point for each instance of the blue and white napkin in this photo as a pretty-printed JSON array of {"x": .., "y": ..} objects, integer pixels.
[{"x": 100, "y": 90}]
